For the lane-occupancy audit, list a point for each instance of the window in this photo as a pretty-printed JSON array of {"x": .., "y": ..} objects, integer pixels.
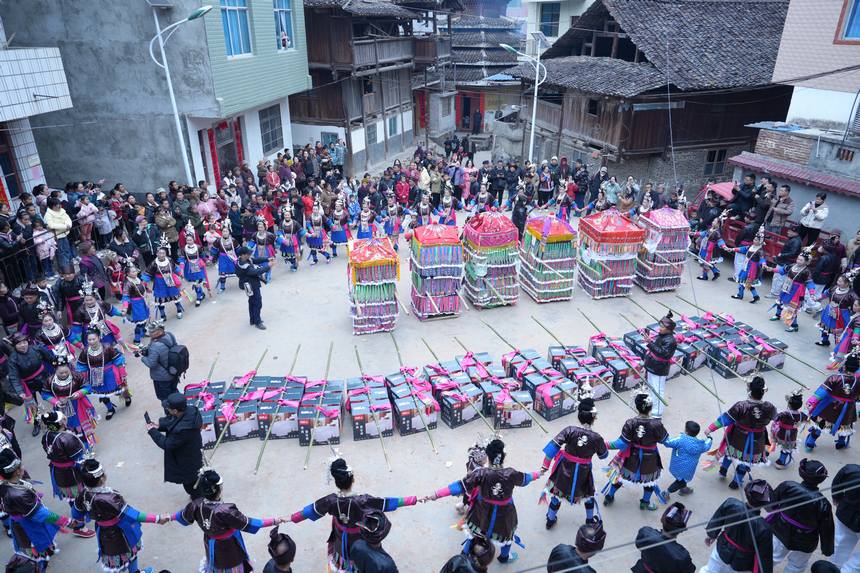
[
  {"x": 392, "y": 126},
  {"x": 237, "y": 32},
  {"x": 8, "y": 177},
  {"x": 593, "y": 108},
  {"x": 271, "y": 131},
  {"x": 283, "y": 24},
  {"x": 715, "y": 162},
  {"x": 549, "y": 16},
  {"x": 328, "y": 137},
  {"x": 371, "y": 134},
  {"x": 850, "y": 21},
  {"x": 446, "y": 106}
]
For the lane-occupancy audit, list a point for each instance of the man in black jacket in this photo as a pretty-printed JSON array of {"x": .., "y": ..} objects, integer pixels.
[
  {"x": 660, "y": 551},
  {"x": 743, "y": 195},
  {"x": 367, "y": 553},
  {"x": 846, "y": 487},
  {"x": 590, "y": 539},
  {"x": 824, "y": 274},
  {"x": 251, "y": 273},
  {"x": 178, "y": 434},
  {"x": 661, "y": 349},
  {"x": 498, "y": 181},
  {"x": 582, "y": 180},
  {"x": 806, "y": 518},
  {"x": 739, "y": 543},
  {"x": 787, "y": 255}
]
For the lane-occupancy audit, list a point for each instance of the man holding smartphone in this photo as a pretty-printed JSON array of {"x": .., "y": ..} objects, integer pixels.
[{"x": 178, "y": 434}]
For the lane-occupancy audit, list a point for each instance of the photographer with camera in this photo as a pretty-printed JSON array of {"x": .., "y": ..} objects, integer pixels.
[{"x": 166, "y": 359}]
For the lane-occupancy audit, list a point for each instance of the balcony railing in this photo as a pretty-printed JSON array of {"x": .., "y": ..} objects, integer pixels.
[
  {"x": 381, "y": 51},
  {"x": 429, "y": 49}
]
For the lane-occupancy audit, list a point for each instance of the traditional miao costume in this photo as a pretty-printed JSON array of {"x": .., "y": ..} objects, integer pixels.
[
  {"x": 572, "y": 477},
  {"x": 750, "y": 269},
  {"x": 134, "y": 306},
  {"x": 447, "y": 211},
  {"x": 70, "y": 297},
  {"x": 339, "y": 229},
  {"x": 745, "y": 437},
  {"x": 638, "y": 460},
  {"x": 710, "y": 241},
  {"x": 423, "y": 212},
  {"x": 849, "y": 338},
  {"x": 833, "y": 406},
  {"x": 76, "y": 407},
  {"x": 55, "y": 340},
  {"x": 482, "y": 201},
  {"x": 836, "y": 314},
  {"x": 96, "y": 318},
  {"x": 346, "y": 511},
  {"x": 33, "y": 525},
  {"x": 365, "y": 228},
  {"x": 104, "y": 371},
  {"x": 392, "y": 217},
  {"x": 564, "y": 204},
  {"x": 262, "y": 246},
  {"x": 222, "y": 525},
  {"x": 317, "y": 238},
  {"x": 784, "y": 429},
  {"x": 65, "y": 452},
  {"x": 193, "y": 266},
  {"x": 226, "y": 260},
  {"x": 797, "y": 281},
  {"x": 166, "y": 285},
  {"x": 117, "y": 527},
  {"x": 288, "y": 241}
]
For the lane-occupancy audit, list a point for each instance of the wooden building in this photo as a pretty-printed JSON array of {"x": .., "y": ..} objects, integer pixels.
[
  {"x": 659, "y": 89},
  {"x": 361, "y": 61}
]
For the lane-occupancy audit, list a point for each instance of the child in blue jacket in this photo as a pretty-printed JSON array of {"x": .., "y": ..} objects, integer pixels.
[{"x": 686, "y": 451}]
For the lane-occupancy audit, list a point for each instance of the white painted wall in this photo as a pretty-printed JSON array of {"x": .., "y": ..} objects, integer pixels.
[
  {"x": 303, "y": 133},
  {"x": 194, "y": 125},
  {"x": 357, "y": 135},
  {"x": 406, "y": 124},
  {"x": 812, "y": 103}
]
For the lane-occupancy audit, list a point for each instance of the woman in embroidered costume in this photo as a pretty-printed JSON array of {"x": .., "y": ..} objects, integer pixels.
[
  {"x": 492, "y": 514},
  {"x": 837, "y": 314},
  {"x": 118, "y": 534},
  {"x": 339, "y": 226},
  {"x": 711, "y": 240},
  {"x": 54, "y": 337},
  {"x": 638, "y": 460},
  {"x": 482, "y": 201},
  {"x": 318, "y": 229},
  {"x": 33, "y": 525},
  {"x": 447, "y": 209},
  {"x": 226, "y": 247},
  {"x": 751, "y": 267},
  {"x": 563, "y": 201},
  {"x": 849, "y": 338},
  {"x": 288, "y": 239},
  {"x": 798, "y": 279},
  {"x": 262, "y": 245},
  {"x": 423, "y": 211},
  {"x": 745, "y": 437},
  {"x": 346, "y": 509},
  {"x": 365, "y": 228},
  {"x": 134, "y": 305},
  {"x": 67, "y": 393},
  {"x": 93, "y": 315},
  {"x": 784, "y": 429},
  {"x": 571, "y": 452},
  {"x": 222, "y": 524},
  {"x": 104, "y": 369},
  {"x": 166, "y": 284},
  {"x": 192, "y": 262},
  {"x": 833, "y": 406}
]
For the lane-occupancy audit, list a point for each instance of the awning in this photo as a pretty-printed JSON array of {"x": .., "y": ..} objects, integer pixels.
[{"x": 798, "y": 173}]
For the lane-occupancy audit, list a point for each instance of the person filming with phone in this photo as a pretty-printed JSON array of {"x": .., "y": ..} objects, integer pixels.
[{"x": 178, "y": 434}]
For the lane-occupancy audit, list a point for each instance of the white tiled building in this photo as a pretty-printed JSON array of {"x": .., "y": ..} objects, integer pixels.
[{"x": 32, "y": 82}]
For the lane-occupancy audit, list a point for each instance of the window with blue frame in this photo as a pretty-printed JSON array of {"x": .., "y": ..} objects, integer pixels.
[
  {"x": 237, "y": 29},
  {"x": 283, "y": 24},
  {"x": 851, "y": 29}
]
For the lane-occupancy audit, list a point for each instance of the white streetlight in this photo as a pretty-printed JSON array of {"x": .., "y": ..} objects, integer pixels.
[
  {"x": 198, "y": 13},
  {"x": 535, "y": 61}
]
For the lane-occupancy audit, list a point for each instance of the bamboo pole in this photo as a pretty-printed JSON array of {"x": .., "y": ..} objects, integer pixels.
[
  {"x": 630, "y": 364},
  {"x": 319, "y": 406},
  {"x": 418, "y": 408},
  {"x": 526, "y": 410},
  {"x": 208, "y": 377},
  {"x": 370, "y": 408},
  {"x": 608, "y": 386}
]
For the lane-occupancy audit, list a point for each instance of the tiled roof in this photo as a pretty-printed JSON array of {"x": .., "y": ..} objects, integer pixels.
[
  {"x": 711, "y": 43},
  {"x": 378, "y": 8},
  {"x": 799, "y": 173},
  {"x": 473, "y": 74},
  {"x": 478, "y": 39},
  {"x": 609, "y": 76},
  {"x": 478, "y": 55},
  {"x": 469, "y": 21}
]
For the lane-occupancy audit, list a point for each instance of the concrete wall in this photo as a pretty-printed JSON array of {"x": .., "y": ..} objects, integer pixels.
[
  {"x": 441, "y": 117},
  {"x": 842, "y": 208},
  {"x": 808, "y": 47},
  {"x": 267, "y": 74},
  {"x": 121, "y": 127},
  {"x": 304, "y": 133}
]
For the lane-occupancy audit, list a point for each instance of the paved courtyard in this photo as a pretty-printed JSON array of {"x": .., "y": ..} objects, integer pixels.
[{"x": 310, "y": 307}]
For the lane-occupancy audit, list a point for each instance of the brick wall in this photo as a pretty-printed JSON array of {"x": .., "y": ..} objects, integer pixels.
[
  {"x": 785, "y": 146},
  {"x": 689, "y": 165}
]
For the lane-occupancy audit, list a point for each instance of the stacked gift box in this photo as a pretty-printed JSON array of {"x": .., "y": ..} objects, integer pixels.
[
  {"x": 437, "y": 271},
  {"x": 319, "y": 412},
  {"x": 608, "y": 246},
  {"x": 548, "y": 259},
  {"x": 618, "y": 358},
  {"x": 373, "y": 272},
  {"x": 576, "y": 364},
  {"x": 412, "y": 399},
  {"x": 491, "y": 260},
  {"x": 368, "y": 402},
  {"x": 667, "y": 238}
]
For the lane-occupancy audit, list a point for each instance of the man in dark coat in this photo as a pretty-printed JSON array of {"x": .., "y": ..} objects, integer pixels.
[
  {"x": 786, "y": 257},
  {"x": 661, "y": 349},
  {"x": 367, "y": 553},
  {"x": 847, "y": 500},
  {"x": 661, "y": 553},
  {"x": 178, "y": 434},
  {"x": 743, "y": 195},
  {"x": 741, "y": 543},
  {"x": 582, "y": 180},
  {"x": 251, "y": 274},
  {"x": 806, "y": 518},
  {"x": 590, "y": 539}
]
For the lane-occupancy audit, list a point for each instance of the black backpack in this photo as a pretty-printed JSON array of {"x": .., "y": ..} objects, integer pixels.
[{"x": 178, "y": 360}]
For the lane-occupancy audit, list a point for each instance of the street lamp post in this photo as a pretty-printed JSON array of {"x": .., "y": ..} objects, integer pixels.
[
  {"x": 535, "y": 61},
  {"x": 198, "y": 13}
]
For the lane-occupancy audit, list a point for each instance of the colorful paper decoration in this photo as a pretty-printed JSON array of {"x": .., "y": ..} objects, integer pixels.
[
  {"x": 548, "y": 259},
  {"x": 437, "y": 271},
  {"x": 490, "y": 253},
  {"x": 608, "y": 245},
  {"x": 373, "y": 272},
  {"x": 667, "y": 238}
]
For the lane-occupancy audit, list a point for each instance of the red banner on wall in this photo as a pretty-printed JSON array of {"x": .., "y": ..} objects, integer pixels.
[
  {"x": 213, "y": 151},
  {"x": 237, "y": 137}
]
